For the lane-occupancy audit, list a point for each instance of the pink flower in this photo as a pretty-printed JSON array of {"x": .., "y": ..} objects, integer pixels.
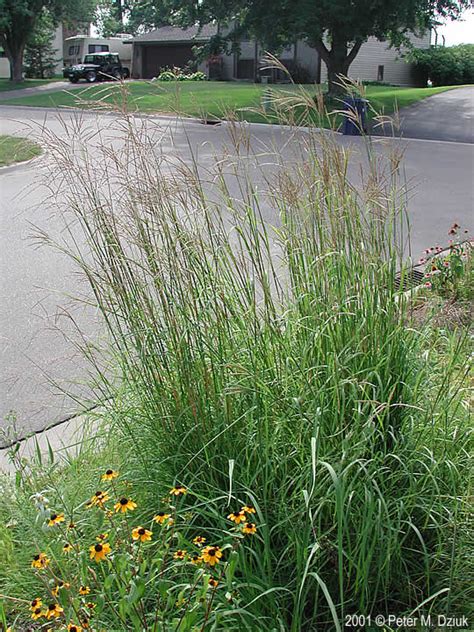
[
  {"x": 428, "y": 285},
  {"x": 446, "y": 264},
  {"x": 421, "y": 261},
  {"x": 427, "y": 275}
]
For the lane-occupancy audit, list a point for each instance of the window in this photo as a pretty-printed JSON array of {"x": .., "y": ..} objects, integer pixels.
[
  {"x": 380, "y": 73},
  {"x": 74, "y": 50},
  {"x": 98, "y": 48}
]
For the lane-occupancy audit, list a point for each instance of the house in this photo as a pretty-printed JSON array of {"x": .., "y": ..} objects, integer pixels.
[
  {"x": 77, "y": 46},
  {"x": 173, "y": 46}
]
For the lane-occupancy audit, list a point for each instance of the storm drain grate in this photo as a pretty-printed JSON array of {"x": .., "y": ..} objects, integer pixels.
[{"x": 411, "y": 278}]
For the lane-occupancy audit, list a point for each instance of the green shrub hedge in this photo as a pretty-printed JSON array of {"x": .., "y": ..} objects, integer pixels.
[{"x": 445, "y": 66}]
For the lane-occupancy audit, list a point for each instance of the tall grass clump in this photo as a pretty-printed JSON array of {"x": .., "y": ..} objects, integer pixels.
[{"x": 261, "y": 353}]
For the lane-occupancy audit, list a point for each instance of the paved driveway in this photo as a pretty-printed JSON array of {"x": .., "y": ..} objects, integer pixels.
[
  {"x": 37, "y": 359},
  {"x": 446, "y": 116}
]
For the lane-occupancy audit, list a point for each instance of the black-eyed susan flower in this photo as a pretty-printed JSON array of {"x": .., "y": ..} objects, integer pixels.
[
  {"x": 213, "y": 582},
  {"x": 53, "y": 611},
  {"x": 57, "y": 588},
  {"x": 109, "y": 475},
  {"x": 71, "y": 525},
  {"x": 141, "y": 534},
  {"x": 196, "y": 559},
  {"x": 73, "y": 627},
  {"x": 67, "y": 548},
  {"x": 55, "y": 519},
  {"x": 102, "y": 537},
  {"x": 161, "y": 517},
  {"x": 40, "y": 561},
  {"x": 36, "y": 603},
  {"x": 98, "y": 499},
  {"x": 180, "y": 554},
  {"x": 37, "y": 613},
  {"x": 199, "y": 540},
  {"x": 237, "y": 517},
  {"x": 178, "y": 491},
  {"x": 249, "y": 528},
  {"x": 84, "y": 590},
  {"x": 124, "y": 505},
  {"x": 211, "y": 555},
  {"x": 98, "y": 552},
  {"x": 90, "y": 605},
  {"x": 248, "y": 510}
]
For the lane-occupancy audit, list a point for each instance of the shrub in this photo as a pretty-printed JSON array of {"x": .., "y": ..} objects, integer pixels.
[
  {"x": 445, "y": 66},
  {"x": 177, "y": 75}
]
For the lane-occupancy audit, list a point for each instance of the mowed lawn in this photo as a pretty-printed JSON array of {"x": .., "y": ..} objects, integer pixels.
[
  {"x": 6, "y": 85},
  {"x": 14, "y": 149},
  {"x": 210, "y": 99}
]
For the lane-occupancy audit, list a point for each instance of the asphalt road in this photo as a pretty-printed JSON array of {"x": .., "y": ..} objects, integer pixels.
[
  {"x": 37, "y": 312},
  {"x": 447, "y": 116}
]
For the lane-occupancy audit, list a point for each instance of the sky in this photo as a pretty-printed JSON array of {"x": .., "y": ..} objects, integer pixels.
[{"x": 457, "y": 31}]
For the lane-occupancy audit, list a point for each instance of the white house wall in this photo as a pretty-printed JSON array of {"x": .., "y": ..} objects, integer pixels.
[{"x": 374, "y": 54}]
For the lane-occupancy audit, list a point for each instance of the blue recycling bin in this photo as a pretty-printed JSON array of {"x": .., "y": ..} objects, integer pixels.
[{"x": 355, "y": 106}]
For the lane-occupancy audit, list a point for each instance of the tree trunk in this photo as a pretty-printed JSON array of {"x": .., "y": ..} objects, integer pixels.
[
  {"x": 338, "y": 61},
  {"x": 16, "y": 64}
]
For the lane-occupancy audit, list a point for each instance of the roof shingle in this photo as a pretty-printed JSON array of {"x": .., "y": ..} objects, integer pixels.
[{"x": 177, "y": 34}]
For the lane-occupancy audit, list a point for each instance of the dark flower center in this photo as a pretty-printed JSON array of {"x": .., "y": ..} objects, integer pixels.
[
  {"x": 53, "y": 516},
  {"x": 249, "y": 525},
  {"x": 109, "y": 472},
  {"x": 98, "y": 548},
  {"x": 33, "y": 603},
  {"x": 38, "y": 610},
  {"x": 98, "y": 493},
  {"x": 73, "y": 628},
  {"x": 36, "y": 558},
  {"x": 141, "y": 531},
  {"x": 161, "y": 513},
  {"x": 52, "y": 606},
  {"x": 124, "y": 501},
  {"x": 211, "y": 552}
]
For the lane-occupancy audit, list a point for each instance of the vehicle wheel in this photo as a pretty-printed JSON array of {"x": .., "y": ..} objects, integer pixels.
[
  {"x": 91, "y": 76},
  {"x": 125, "y": 73},
  {"x": 73, "y": 79},
  {"x": 117, "y": 74}
]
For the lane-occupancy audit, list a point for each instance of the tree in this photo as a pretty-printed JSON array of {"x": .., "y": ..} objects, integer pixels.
[
  {"x": 18, "y": 19},
  {"x": 40, "y": 56},
  {"x": 335, "y": 28}
]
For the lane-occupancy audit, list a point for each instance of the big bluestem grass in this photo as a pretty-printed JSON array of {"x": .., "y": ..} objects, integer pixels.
[{"x": 261, "y": 351}]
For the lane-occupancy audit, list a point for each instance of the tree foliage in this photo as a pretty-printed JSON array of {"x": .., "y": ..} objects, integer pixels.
[
  {"x": 40, "y": 55},
  {"x": 445, "y": 66},
  {"x": 336, "y": 28}
]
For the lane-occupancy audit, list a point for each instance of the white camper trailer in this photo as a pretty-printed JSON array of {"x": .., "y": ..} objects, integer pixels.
[{"x": 76, "y": 47}]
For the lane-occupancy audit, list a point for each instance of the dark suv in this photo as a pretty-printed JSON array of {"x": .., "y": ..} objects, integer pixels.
[{"x": 97, "y": 67}]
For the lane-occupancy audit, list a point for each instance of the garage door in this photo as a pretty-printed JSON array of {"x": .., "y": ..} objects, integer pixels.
[{"x": 156, "y": 58}]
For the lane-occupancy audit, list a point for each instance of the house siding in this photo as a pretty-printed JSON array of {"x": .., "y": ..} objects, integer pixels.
[{"x": 374, "y": 54}]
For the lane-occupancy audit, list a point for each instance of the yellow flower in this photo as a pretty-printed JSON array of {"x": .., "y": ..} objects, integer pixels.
[
  {"x": 40, "y": 561},
  {"x": 249, "y": 510},
  {"x": 56, "y": 589},
  {"x": 237, "y": 517},
  {"x": 99, "y": 551},
  {"x": 55, "y": 519},
  {"x": 139, "y": 533},
  {"x": 213, "y": 582},
  {"x": 102, "y": 537},
  {"x": 37, "y": 613},
  {"x": 67, "y": 548},
  {"x": 91, "y": 605},
  {"x": 98, "y": 499},
  {"x": 124, "y": 505},
  {"x": 54, "y": 610},
  {"x": 178, "y": 491},
  {"x": 180, "y": 554},
  {"x": 211, "y": 555},
  {"x": 249, "y": 527},
  {"x": 196, "y": 559},
  {"x": 72, "y": 627},
  {"x": 161, "y": 517},
  {"x": 109, "y": 475},
  {"x": 36, "y": 603},
  {"x": 199, "y": 540},
  {"x": 84, "y": 590}
]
